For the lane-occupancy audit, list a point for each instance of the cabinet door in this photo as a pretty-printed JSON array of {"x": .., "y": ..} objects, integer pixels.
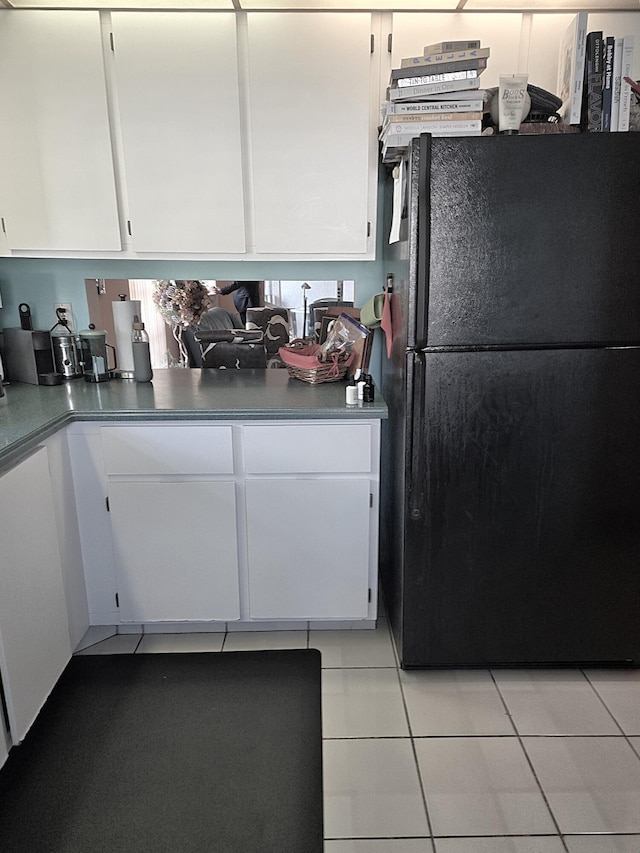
[
  {"x": 175, "y": 548},
  {"x": 34, "y": 635},
  {"x": 57, "y": 185},
  {"x": 309, "y": 101},
  {"x": 308, "y": 548},
  {"x": 177, "y": 81}
]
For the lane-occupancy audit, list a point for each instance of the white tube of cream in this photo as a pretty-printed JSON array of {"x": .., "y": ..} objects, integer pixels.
[{"x": 512, "y": 94}]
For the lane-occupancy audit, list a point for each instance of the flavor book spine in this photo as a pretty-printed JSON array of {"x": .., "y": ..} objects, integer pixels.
[{"x": 592, "y": 108}]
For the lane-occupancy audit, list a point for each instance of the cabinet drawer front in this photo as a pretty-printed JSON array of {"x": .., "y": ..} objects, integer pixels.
[
  {"x": 307, "y": 448},
  {"x": 168, "y": 450}
]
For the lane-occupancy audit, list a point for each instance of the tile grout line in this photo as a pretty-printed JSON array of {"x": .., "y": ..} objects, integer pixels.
[
  {"x": 411, "y": 737},
  {"x": 611, "y": 714},
  {"x": 529, "y": 762}
]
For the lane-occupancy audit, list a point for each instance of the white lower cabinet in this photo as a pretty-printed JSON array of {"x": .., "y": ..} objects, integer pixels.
[
  {"x": 175, "y": 549},
  {"x": 308, "y": 548},
  {"x": 262, "y": 522},
  {"x": 34, "y": 632}
]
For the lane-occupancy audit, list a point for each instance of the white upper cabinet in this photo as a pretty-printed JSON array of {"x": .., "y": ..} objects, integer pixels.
[
  {"x": 500, "y": 32},
  {"x": 179, "y": 110},
  {"x": 311, "y": 132},
  {"x": 57, "y": 186}
]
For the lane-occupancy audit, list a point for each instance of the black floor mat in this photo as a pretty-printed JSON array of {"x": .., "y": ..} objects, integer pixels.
[{"x": 172, "y": 752}]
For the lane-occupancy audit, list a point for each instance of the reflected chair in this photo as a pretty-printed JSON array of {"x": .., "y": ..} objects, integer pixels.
[
  {"x": 215, "y": 319},
  {"x": 274, "y": 323},
  {"x": 317, "y": 310},
  {"x": 232, "y": 349}
]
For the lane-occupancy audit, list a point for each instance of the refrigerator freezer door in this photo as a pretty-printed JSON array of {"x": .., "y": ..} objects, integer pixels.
[
  {"x": 531, "y": 240},
  {"x": 527, "y": 549}
]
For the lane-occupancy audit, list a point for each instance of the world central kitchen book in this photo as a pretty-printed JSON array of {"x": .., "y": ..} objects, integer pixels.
[{"x": 449, "y": 105}]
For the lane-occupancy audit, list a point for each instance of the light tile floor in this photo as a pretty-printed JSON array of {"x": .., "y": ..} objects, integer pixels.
[{"x": 456, "y": 761}]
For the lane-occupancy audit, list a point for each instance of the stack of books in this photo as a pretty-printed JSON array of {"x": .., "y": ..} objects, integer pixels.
[
  {"x": 591, "y": 78},
  {"x": 606, "y": 95},
  {"x": 438, "y": 93}
]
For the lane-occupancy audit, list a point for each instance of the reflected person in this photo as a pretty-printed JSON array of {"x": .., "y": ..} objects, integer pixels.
[{"x": 246, "y": 294}]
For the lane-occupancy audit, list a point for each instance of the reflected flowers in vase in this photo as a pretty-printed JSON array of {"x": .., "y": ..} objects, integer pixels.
[{"x": 181, "y": 303}]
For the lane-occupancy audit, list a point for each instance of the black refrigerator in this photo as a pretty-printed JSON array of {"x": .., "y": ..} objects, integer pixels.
[{"x": 510, "y": 525}]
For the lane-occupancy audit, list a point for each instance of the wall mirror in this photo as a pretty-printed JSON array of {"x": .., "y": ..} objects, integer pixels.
[{"x": 297, "y": 296}]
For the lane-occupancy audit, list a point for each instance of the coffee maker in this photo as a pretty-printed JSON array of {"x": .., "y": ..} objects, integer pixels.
[
  {"x": 94, "y": 356},
  {"x": 65, "y": 350},
  {"x": 27, "y": 355}
]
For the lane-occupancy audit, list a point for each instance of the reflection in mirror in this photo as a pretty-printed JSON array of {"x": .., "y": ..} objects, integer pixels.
[{"x": 296, "y": 296}]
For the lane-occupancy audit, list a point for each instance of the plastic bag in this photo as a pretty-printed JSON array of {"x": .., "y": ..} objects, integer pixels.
[{"x": 344, "y": 334}]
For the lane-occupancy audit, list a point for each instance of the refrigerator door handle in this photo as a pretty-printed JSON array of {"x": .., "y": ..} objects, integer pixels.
[{"x": 418, "y": 475}]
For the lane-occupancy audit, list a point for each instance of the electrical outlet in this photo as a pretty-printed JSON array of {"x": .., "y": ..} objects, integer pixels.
[{"x": 68, "y": 313}]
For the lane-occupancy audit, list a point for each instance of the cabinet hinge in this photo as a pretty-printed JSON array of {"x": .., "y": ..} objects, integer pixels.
[
  {"x": 371, "y": 500},
  {"x": 389, "y": 42},
  {"x": 373, "y": 42},
  {"x": 129, "y": 227},
  {"x": 111, "y": 42},
  {"x": 106, "y": 500},
  {"x": 118, "y": 599}
]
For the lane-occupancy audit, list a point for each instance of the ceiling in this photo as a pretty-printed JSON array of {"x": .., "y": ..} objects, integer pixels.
[{"x": 335, "y": 5}]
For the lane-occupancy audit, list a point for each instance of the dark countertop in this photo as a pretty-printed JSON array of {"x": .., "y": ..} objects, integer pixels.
[{"x": 30, "y": 413}]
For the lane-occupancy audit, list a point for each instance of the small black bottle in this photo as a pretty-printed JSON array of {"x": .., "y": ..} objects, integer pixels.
[{"x": 368, "y": 390}]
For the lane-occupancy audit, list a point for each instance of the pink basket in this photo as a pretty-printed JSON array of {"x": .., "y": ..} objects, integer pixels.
[{"x": 303, "y": 363}]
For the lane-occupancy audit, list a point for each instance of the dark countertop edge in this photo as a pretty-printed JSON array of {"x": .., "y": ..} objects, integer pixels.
[{"x": 24, "y": 446}]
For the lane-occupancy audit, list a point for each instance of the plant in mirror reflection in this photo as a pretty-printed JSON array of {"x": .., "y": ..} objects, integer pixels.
[{"x": 181, "y": 303}]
